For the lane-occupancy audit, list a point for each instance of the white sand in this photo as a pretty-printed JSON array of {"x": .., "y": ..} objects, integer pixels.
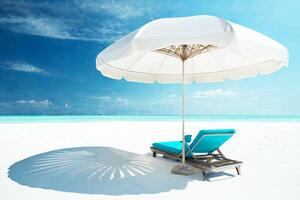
[{"x": 270, "y": 152}]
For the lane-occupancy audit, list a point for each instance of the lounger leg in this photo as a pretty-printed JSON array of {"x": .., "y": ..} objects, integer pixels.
[
  {"x": 154, "y": 154},
  {"x": 204, "y": 175},
  {"x": 238, "y": 170}
]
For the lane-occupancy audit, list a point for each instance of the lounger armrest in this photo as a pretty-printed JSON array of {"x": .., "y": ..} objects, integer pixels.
[{"x": 188, "y": 138}]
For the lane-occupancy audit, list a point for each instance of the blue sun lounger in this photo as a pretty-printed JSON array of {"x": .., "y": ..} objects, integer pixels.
[{"x": 201, "y": 151}]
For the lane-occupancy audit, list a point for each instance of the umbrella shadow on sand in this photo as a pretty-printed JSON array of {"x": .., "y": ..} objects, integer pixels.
[{"x": 98, "y": 170}]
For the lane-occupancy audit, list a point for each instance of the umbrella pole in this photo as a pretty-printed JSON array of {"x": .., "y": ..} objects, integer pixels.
[
  {"x": 182, "y": 168},
  {"x": 183, "y": 113}
]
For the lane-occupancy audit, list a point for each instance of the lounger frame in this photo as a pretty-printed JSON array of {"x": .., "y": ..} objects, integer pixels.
[{"x": 210, "y": 162}]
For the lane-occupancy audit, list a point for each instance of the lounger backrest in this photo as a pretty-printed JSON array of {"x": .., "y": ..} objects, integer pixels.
[{"x": 208, "y": 141}]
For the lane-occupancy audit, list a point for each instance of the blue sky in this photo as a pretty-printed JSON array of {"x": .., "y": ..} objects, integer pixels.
[{"x": 48, "y": 51}]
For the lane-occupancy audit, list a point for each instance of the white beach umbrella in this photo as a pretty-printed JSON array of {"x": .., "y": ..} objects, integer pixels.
[{"x": 191, "y": 49}]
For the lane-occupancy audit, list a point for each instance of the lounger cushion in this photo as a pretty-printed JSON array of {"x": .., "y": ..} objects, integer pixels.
[
  {"x": 208, "y": 141},
  {"x": 174, "y": 147},
  {"x": 214, "y": 131}
]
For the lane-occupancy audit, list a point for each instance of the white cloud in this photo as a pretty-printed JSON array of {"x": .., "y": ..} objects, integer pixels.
[
  {"x": 32, "y": 102},
  {"x": 42, "y": 26},
  {"x": 102, "y": 21},
  {"x": 122, "y": 101},
  {"x": 105, "y": 98},
  {"x": 118, "y": 9},
  {"x": 101, "y": 98},
  {"x": 24, "y": 67},
  {"x": 213, "y": 93},
  {"x": 37, "y": 26},
  {"x": 63, "y": 28}
]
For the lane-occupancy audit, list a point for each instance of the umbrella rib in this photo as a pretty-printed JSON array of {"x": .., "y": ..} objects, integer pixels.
[
  {"x": 127, "y": 69},
  {"x": 217, "y": 60},
  {"x": 160, "y": 66},
  {"x": 243, "y": 56},
  {"x": 192, "y": 50},
  {"x": 170, "y": 51},
  {"x": 200, "y": 50}
]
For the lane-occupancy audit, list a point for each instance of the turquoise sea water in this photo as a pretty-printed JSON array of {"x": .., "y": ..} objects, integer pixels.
[{"x": 90, "y": 118}]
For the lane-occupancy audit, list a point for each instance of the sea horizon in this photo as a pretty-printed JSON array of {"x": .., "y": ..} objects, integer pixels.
[{"x": 91, "y": 118}]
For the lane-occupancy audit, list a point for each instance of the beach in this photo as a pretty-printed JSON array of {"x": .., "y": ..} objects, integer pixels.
[{"x": 269, "y": 151}]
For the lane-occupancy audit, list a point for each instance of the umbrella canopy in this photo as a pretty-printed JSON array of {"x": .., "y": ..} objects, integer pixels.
[
  {"x": 218, "y": 50},
  {"x": 191, "y": 49}
]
